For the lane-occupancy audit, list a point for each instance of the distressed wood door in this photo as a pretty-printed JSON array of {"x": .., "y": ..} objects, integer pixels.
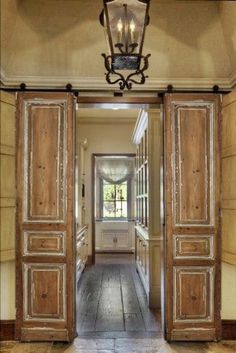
[
  {"x": 45, "y": 217},
  {"x": 192, "y": 201}
]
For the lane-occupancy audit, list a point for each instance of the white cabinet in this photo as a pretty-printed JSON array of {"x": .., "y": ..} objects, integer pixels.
[
  {"x": 81, "y": 251},
  {"x": 114, "y": 236},
  {"x": 148, "y": 230},
  {"x": 114, "y": 239}
]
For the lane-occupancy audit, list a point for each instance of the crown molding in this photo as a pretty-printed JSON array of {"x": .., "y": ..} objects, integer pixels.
[{"x": 99, "y": 83}]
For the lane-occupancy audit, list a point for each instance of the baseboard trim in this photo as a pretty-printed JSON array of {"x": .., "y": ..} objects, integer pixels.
[
  {"x": 7, "y": 330},
  {"x": 229, "y": 329}
]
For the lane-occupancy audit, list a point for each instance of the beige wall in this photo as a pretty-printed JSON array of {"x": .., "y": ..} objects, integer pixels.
[
  {"x": 102, "y": 138},
  {"x": 7, "y": 206},
  {"x": 229, "y": 207},
  {"x": 189, "y": 44},
  {"x": 7, "y": 285},
  {"x": 228, "y": 15},
  {"x": 228, "y": 309}
]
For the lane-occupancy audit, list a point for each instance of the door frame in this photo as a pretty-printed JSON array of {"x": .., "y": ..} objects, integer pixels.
[{"x": 100, "y": 102}]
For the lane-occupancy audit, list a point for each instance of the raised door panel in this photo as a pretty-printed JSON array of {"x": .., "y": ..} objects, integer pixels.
[
  {"x": 45, "y": 163},
  {"x": 192, "y": 182},
  {"x": 122, "y": 240},
  {"x": 107, "y": 239},
  {"x": 45, "y": 216},
  {"x": 193, "y": 294},
  {"x": 193, "y": 170},
  {"x": 194, "y": 246},
  {"x": 44, "y": 289},
  {"x": 44, "y": 243}
]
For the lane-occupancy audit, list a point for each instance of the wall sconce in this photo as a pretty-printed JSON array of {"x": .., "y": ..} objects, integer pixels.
[{"x": 125, "y": 26}]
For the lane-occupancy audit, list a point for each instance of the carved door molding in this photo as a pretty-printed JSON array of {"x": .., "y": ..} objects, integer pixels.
[
  {"x": 45, "y": 217},
  {"x": 192, "y": 220}
]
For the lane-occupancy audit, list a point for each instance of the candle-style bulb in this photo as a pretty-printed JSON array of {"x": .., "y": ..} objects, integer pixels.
[
  {"x": 132, "y": 29},
  {"x": 120, "y": 25},
  {"x": 132, "y": 26}
]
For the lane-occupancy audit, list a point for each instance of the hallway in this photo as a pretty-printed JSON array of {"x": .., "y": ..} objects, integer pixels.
[{"x": 112, "y": 302}]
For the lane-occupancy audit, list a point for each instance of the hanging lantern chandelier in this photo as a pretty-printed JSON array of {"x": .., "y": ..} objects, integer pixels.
[{"x": 125, "y": 26}]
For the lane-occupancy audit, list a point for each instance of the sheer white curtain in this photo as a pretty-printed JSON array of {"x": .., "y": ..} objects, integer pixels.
[{"x": 115, "y": 170}]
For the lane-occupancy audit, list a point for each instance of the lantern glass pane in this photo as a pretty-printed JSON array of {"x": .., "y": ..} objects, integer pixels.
[{"x": 126, "y": 22}]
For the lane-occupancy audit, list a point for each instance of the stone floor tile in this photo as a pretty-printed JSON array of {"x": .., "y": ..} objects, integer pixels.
[
  {"x": 221, "y": 347},
  {"x": 165, "y": 348},
  {"x": 188, "y": 347},
  {"x": 6, "y": 346},
  {"x": 32, "y": 347}
]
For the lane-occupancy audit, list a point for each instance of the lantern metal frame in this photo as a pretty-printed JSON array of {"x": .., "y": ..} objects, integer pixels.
[{"x": 125, "y": 59}]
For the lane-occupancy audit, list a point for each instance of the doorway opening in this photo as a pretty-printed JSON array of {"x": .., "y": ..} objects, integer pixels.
[{"x": 112, "y": 297}]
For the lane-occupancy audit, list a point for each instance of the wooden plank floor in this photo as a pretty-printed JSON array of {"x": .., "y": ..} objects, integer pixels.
[{"x": 111, "y": 303}]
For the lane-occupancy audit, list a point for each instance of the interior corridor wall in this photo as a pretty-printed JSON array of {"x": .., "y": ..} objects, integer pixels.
[
  {"x": 7, "y": 207},
  {"x": 102, "y": 137}
]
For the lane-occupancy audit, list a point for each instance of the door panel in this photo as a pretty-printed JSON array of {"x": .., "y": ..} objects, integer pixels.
[
  {"x": 193, "y": 169},
  {"x": 190, "y": 246},
  {"x": 45, "y": 217},
  {"x": 193, "y": 298},
  {"x": 44, "y": 289},
  {"x": 44, "y": 243},
  {"x": 45, "y": 162},
  {"x": 192, "y": 182}
]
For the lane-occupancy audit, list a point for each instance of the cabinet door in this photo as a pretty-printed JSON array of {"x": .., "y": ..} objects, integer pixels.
[
  {"x": 122, "y": 240},
  {"x": 108, "y": 240},
  {"x": 192, "y": 183},
  {"x": 45, "y": 217}
]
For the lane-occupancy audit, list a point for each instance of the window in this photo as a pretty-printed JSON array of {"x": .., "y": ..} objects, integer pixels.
[
  {"x": 115, "y": 199},
  {"x": 114, "y": 184}
]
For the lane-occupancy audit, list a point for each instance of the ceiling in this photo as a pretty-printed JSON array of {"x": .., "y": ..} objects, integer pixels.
[{"x": 48, "y": 43}]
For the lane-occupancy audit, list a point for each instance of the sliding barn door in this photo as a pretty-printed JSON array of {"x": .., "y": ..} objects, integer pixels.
[
  {"x": 192, "y": 180},
  {"x": 45, "y": 217}
]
